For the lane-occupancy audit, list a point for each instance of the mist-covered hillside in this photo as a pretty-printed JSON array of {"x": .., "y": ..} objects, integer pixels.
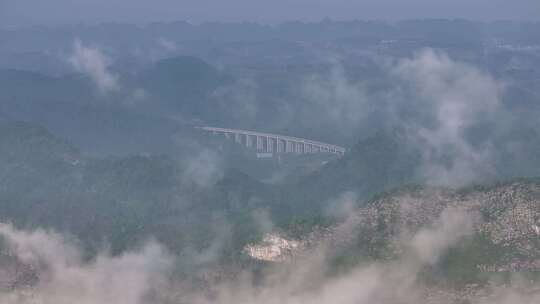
[
  {"x": 107, "y": 177},
  {"x": 48, "y": 183},
  {"x": 331, "y": 81}
]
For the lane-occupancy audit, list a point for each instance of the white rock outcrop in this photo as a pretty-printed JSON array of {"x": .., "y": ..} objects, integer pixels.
[{"x": 273, "y": 248}]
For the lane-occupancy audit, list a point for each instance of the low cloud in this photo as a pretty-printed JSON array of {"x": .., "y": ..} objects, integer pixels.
[
  {"x": 456, "y": 98},
  {"x": 306, "y": 280},
  {"x": 168, "y": 45},
  {"x": 438, "y": 101},
  {"x": 335, "y": 100},
  {"x": 64, "y": 277},
  {"x": 430, "y": 243},
  {"x": 203, "y": 170},
  {"x": 92, "y": 62}
]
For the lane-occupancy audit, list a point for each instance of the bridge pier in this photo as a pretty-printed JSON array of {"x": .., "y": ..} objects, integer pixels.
[
  {"x": 280, "y": 146},
  {"x": 269, "y": 144},
  {"x": 260, "y": 144},
  {"x": 289, "y": 146}
]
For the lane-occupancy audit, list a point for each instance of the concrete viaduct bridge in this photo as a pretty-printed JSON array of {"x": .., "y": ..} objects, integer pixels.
[{"x": 274, "y": 143}]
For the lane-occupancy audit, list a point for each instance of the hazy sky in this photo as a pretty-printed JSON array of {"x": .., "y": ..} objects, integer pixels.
[{"x": 54, "y": 12}]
